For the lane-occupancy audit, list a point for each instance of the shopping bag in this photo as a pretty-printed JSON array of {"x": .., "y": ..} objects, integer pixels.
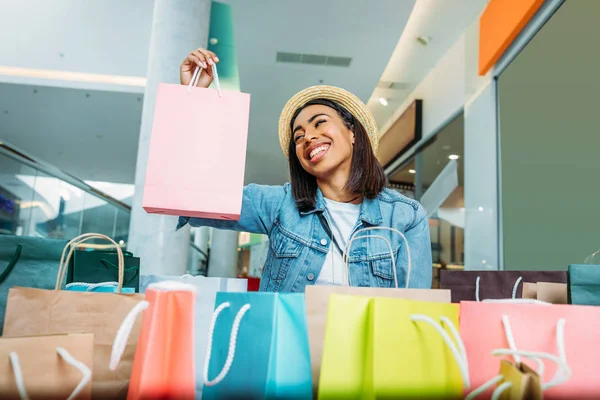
[
  {"x": 258, "y": 348},
  {"x": 317, "y": 300},
  {"x": 104, "y": 287},
  {"x": 195, "y": 131},
  {"x": 206, "y": 293},
  {"x": 45, "y": 312},
  {"x": 515, "y": 381},
  {"x": 569, "y": 333},
  {"x": 27, "y": 261},
  {"x": 163, "y": 367},
  {"x": 98, "y": 265},
  {"x": 46, "y": 367},
  {"x": 391, "y": 348},
  {"x": 555, "y": 293},
  {"x": 479, "y": 285},
  {"x": 584, "y": 282}
]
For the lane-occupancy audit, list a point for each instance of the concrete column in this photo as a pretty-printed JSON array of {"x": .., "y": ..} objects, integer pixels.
[
  {"x": 178, "y": 27},
  {"x": 201, "y": 239},
  {"x": 223, "y": 261}
]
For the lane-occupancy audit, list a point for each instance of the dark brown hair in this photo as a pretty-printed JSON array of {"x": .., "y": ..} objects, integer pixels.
[{"x": 366, "y": 174}]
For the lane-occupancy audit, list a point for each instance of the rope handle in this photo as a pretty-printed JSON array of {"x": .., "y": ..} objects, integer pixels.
[
  {"x": 514, "y": 290},
  {"x": 122, "y": 336},
  {"x": 91, "y": 286},
  {"x": 353, "y": 237},
  {"x": 562, "y": 374},
  {"x": 458, "y": 350},
  {"x": 67, "y": 357},
  {"x": 590, "y": 258},
  {"x": 232, "y": 343},
  {"x": 196, "y": 78},
  {"x": 72, "y": 246},
  {"x": 11, "y": 264}
]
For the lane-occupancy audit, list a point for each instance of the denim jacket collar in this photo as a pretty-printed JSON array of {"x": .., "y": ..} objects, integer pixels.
[{"x": 370, "y": 212}]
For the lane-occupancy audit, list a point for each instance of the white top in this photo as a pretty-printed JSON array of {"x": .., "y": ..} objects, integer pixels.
[{"x": 342, "y": 219}]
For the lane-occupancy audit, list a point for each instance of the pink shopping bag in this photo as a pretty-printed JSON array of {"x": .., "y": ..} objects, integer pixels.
[
  {"x": 197, "y": 152},
  {"x": 565, "y": 331}
]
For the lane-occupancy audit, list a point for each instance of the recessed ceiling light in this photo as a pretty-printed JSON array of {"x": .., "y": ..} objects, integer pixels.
[
  {"x": 383, "y": 101},
  {"x": 480, "y": 208},
  {"x": 453, "y": 157},
  {"x": 411, "y": 171}
]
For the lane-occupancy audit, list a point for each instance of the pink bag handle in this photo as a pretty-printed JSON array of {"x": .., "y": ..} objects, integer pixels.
[{"x": 196, "y": 78}]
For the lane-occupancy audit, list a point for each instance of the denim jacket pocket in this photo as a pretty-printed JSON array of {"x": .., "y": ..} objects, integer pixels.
[
  {"x": 285, "y": 251},
  {"x": 381, "y": 268}
]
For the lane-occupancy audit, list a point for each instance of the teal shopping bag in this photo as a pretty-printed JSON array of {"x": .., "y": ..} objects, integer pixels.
[
  {"x": 583, "y": 283},
  {"x": 104, "y": 287},
  {"x": 258, "y": 348},
  {"x": 101, "y": 265}
]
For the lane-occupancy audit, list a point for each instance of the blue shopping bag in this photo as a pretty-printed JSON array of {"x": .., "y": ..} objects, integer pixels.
[{"x": 258, "y": 348}]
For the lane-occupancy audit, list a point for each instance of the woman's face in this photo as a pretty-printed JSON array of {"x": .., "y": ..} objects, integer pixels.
[{"x": 323, "y": 142}]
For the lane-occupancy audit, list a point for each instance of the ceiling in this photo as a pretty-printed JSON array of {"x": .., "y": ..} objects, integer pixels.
[
  {"x": 443, "y": 21},
  {"x": 94, "y": 134}
]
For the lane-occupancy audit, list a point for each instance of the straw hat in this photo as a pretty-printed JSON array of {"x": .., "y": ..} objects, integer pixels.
[{"x": 344, "y": 98}]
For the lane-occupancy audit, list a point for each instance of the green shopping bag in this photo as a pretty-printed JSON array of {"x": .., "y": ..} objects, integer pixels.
[
  {"x": 583, "y": 283},
  {"x": 99, "y": 266}
]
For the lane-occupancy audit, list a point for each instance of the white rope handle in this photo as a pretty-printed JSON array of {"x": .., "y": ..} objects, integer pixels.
[
  {"x": 562, "y": 374},
  {"x": 590, "y": 258},
  {"x": 196, "y": 78},
  {"x": 385, "y": 228},
  {"x": 67, "y": 357},
  {"x": 501, "y": 389},
  {"x": 518, "y": 301},
  {"x": 459, "y": 355},
  {"x": 232, "y": 342},
  {"x": 91, "y": 286},
  {"x": 347, "y": 258},
  {"x": 72, "y": 246},
  {"x": 514, "y": 290},
  {"x": 122, "y": 336}
]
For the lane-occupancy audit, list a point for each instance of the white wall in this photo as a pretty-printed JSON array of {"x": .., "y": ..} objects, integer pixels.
[{"x": 109, "y": 37}]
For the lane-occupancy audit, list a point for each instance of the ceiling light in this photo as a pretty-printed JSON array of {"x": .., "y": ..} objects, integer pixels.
[
  {"x": 383, "y": 101},
  {"x": 411, "y": 171},
  {"x": 453, "y": 157},
  {"x": 480, "y": 208}
]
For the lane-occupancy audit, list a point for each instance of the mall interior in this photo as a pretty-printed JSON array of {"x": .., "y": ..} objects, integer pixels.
[
  {"x": 481, "y": 140},
  {"x": 483, "y": 109}
]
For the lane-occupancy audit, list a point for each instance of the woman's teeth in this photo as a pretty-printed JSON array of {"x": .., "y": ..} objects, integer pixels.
[{"x": 318, "y": 150}]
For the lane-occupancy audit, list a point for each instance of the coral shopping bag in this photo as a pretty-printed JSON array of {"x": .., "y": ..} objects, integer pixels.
[
  {"x": 568, "y": 332},
  {"x": 163, "y": 367},
  {"x": 386, "y": 348},
  {"x": 197, "y": 152}
]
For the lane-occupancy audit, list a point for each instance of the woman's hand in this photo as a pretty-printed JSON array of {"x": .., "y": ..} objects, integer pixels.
[{"x": 198, "y": 58}]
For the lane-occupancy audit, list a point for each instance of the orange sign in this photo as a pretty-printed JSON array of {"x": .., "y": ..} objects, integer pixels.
[{"x": 499, "y": 25}]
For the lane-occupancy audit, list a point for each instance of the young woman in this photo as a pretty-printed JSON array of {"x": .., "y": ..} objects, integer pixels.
[{"x": 337, "y": 188}]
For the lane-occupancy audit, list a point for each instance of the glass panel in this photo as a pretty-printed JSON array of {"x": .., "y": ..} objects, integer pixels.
[
  {"x": 404, "y": 180},
  {"x": 55, "y": 208},
  {"x": 98, "y": 217},
  {"x": 15, "y": 196},
  {"x": 121, "y": 233}
]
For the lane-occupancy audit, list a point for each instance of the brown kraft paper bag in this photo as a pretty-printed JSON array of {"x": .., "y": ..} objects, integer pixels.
[
  {"x": 493, "y": 284},
  {"x": 45, "y": 312},
  {"x": 317, "y": 301},
  {"x": 555, "y": 293},
  {"x": 45, "y": 373}
]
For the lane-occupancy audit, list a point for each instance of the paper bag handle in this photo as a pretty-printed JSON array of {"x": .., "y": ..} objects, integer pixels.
[
  {"x": 384, "y": 228},
  {"x": 72, "y": 246},
  {"x": 196, "y": 78},
  {"x": 590, "y": 258},
  {"x": 232, "y": 342},
  {"x": 67, "y": 357},
  {"x": 11, "y": 264}
]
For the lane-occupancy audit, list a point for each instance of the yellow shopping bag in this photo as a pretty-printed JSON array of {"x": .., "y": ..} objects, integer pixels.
[{"x": 390, "y": 348}]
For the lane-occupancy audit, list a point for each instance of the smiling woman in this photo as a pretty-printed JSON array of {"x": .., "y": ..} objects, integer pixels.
[{"x": 337, "y": 188}]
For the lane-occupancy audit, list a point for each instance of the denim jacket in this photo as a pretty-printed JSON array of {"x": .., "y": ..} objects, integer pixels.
[{"x": 299, "y": 241}]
